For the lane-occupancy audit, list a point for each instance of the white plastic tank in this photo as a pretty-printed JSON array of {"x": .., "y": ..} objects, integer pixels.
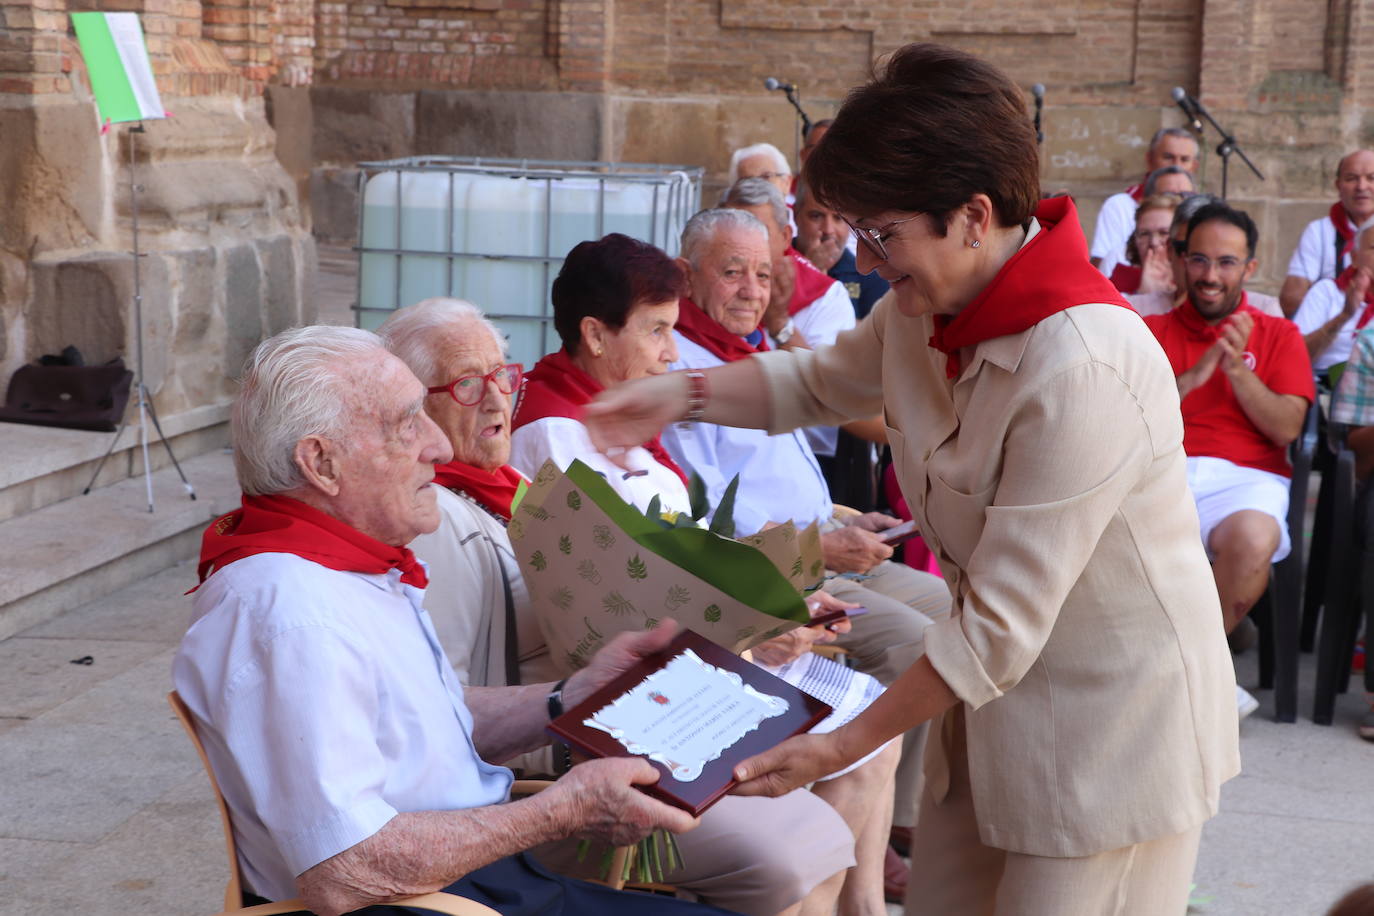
[{"x": 497, "y": 236}]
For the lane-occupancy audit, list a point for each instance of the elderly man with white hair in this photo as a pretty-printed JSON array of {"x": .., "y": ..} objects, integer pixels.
[
  {"x": 479, "y": 603},
  {"x": 353, "y": 763},
  {"x": 726, "y": 254},
  {"x": 761, "y": 160}
]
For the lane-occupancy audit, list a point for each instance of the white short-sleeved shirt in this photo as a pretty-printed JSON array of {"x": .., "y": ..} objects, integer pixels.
[
  {"x": 1315, "y": 257},
  {"x": 1323, "y": 302},
  {"x": 779, "y": 479},
  {"x": 1115, "y": 223},
  {"x": 564, "y": 440},
  {"x": 326, "y": 707},
  {"x": 820, "y": 323}
]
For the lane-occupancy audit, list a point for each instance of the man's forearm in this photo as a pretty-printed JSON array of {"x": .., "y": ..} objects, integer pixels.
[
  {"x": 424, "y": 851},
  {"x": 1324, "y": 336},
  {"x": 1291, "y": 294},
  {"x": 1274, "y": 415},
  {"x": 508, "y": 721}
]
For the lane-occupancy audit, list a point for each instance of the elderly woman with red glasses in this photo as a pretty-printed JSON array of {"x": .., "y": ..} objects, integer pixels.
[{"x": 1081, "y": 686}]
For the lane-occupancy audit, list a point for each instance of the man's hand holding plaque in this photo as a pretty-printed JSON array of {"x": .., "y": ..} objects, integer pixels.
[{"x": 692, "y": 711}]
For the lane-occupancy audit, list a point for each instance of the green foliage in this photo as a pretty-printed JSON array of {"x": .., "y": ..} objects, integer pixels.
[
  {"x": 712, "y": 614},
  {"x": 615, "y": 603},
  {"x": 538, "y": 562},
  {"x": 587, "y": 570},
  {"x": 696, "y": 494},
  {"x": 602, "y": 537},
  {"x": 574, "y": 500},
  {"x": 562, "y": 597},
  {"x": 677, "y": 597},
  {"x": 723, "y": 522},
  {"x": 654, "y": 511},
  {"x": 635, "y": 568},
  {"x": 797, "y": 567},
  {"x": 565, "y": 545}
]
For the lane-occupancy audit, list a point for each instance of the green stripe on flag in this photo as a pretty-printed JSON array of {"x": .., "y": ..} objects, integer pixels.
[{"x": 114, "y": 95}]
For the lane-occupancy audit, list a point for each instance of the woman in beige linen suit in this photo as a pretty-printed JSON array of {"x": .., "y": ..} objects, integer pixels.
[{"x": 1082, "y": 687}]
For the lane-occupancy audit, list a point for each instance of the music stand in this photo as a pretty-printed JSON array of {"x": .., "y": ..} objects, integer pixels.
[{"x": 122, "y": 81}]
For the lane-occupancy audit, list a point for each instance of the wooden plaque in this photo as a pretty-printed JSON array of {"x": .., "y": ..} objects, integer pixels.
[{"x": 716, "y": 777}]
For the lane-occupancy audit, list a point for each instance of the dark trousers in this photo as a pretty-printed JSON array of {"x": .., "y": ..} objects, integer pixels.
[{"x": 518, "y": 886}]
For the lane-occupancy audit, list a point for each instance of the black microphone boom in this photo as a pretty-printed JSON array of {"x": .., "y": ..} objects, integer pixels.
[
  {"x": 772, "y": 84},
  {"x": 1185, "y": 102},
  {"x": 1038, "y": 90}
]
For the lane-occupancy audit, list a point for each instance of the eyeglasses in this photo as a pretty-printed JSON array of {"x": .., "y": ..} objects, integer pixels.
[
  {"x": 470, "y": 389},
  {"x": 1225, "y": 264},
  {"x": 769, "y": 176},
  {"x": 873, "y": 238},
  {"x": 1151, "y": 235}
]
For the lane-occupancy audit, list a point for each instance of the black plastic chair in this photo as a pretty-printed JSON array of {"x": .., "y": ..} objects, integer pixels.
[
  {"x": 1279, "y": 610},
  {"x": 1349, "y": 591}
]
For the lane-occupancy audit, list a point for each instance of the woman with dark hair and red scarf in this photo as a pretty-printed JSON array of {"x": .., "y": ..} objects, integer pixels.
[
  {"x": 1081, "y": 686},
  {"x": 615, "y": 303}
]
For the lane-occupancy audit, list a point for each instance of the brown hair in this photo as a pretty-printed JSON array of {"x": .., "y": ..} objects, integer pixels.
[
  {"x": 925, "y": 134},
  {"x": 607, "y": 279},
  {"x": 1358, "y": 902},
  {"x": 1165, "y": 201}
]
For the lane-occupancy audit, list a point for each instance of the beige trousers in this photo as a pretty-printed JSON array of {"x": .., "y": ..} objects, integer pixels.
[
  {"x": 754, "y": 856},
  {"x": 954, "y": 874},
  {"x": 883, "y": 643}
]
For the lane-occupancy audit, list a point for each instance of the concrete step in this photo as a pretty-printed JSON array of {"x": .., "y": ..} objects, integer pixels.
[
  {"x": 68, "y": 553},
  {"x": 41, "y": 466}
]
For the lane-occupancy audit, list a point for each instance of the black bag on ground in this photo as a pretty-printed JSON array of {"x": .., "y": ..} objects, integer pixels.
[{"x": 72, "y": 397}]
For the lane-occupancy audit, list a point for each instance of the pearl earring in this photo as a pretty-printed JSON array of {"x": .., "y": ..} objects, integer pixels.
[{"x": 975, "y": 244}]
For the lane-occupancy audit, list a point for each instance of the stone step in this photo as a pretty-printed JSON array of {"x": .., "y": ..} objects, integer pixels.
[
  {"x": 69, "y": 553},
  {"x": 41, "y": 466}
]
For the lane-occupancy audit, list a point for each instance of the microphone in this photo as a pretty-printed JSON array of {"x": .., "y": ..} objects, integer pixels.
[
  {"x": 1185, "y": 102},
  {"x": 1038, "y": 90},
  {"x": 772, "y": 84}
]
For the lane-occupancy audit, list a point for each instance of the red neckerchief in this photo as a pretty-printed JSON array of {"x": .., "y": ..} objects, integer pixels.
[
  {"x": 1198, "y": 327},
  {"x": 495, "y": 490},
  {"x": 1049, "y": 274},
  {"x": 1137, "y": 190},
  {"x": 1345, "y": 229},
  {"x": 1126, "y": 277},
  {"x": 1343, "y": 283},
  {"x": 280, "y": 524},
  {"x": 703, "y": 330},
  {"x": 556, "y": 387},
  {"x": 811, "y": 282}
]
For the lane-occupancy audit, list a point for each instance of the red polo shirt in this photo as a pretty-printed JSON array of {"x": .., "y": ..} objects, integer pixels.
[{"x": 1214, "y": 424}]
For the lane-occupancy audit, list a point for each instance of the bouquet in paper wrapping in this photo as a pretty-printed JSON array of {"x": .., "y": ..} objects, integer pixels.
[{"x": 596, "y": 566}]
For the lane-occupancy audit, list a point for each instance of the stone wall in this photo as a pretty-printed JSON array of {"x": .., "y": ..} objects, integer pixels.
[
  {"x": 681, "y": 81},
  {"x": 228, "y": 252}
]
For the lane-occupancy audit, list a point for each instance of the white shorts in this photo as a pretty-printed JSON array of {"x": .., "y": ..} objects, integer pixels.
[{"x": 1221, "y": 488}]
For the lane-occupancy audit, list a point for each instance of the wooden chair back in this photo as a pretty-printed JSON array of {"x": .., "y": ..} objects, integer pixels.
[{"x": 233, "y": 892}]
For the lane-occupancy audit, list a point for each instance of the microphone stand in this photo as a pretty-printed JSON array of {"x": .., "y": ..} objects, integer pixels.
[
  {"x": 792, "y": 96},
  {"x": 1226, "y": 147}
]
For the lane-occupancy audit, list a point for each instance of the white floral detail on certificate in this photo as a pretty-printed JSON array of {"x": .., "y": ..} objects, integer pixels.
[{"x": 686, "y": 714}]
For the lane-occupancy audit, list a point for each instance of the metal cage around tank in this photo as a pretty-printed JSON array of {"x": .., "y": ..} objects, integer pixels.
[{"x": 495, "y": 231}]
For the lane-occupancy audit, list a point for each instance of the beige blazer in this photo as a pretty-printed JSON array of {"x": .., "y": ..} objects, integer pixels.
[{"x": 1086, "y": 638}]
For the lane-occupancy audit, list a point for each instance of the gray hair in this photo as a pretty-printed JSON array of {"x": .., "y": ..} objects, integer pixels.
[
  {"x": 702, "y": 228},
  {"x": 758, "y": 149},
  {"x": 415, "y": 333},
  {"x": 754, "y": 192},
  {"x": 1180, "y": 132},
  {"x": 295, "y": 385},
  {"x": 1190, "y": 205},
  {"x": 1160, "y": 172}
]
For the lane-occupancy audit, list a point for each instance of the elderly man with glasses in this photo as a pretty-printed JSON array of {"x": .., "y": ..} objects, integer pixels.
[{"x": 1245, "y": 384}]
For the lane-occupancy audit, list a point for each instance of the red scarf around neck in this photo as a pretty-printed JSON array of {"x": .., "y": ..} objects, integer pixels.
[
  {"x": 280, "y": 524},
  {"x": 556, "y": 387},
  {"x": 1137, "y": 190},
  {"x": 1343, "y": 283},
  {"x": 1345, "y": 230},
  {"x": 704, "y": 331},
  {"x": 811, "y": 282},
  {"x": 495, "y": 490},
  {"x": 1049, "y": 274}
]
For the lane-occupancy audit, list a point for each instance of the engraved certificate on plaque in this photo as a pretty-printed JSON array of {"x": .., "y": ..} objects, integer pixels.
[{"x": 693, "y": 711}]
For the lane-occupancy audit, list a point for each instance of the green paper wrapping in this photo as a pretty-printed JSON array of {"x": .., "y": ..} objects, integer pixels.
[{"x": 595, "y": 567}]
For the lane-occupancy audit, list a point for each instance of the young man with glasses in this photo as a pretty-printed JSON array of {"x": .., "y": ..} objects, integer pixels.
[{"x": 1244, "y": 383}]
